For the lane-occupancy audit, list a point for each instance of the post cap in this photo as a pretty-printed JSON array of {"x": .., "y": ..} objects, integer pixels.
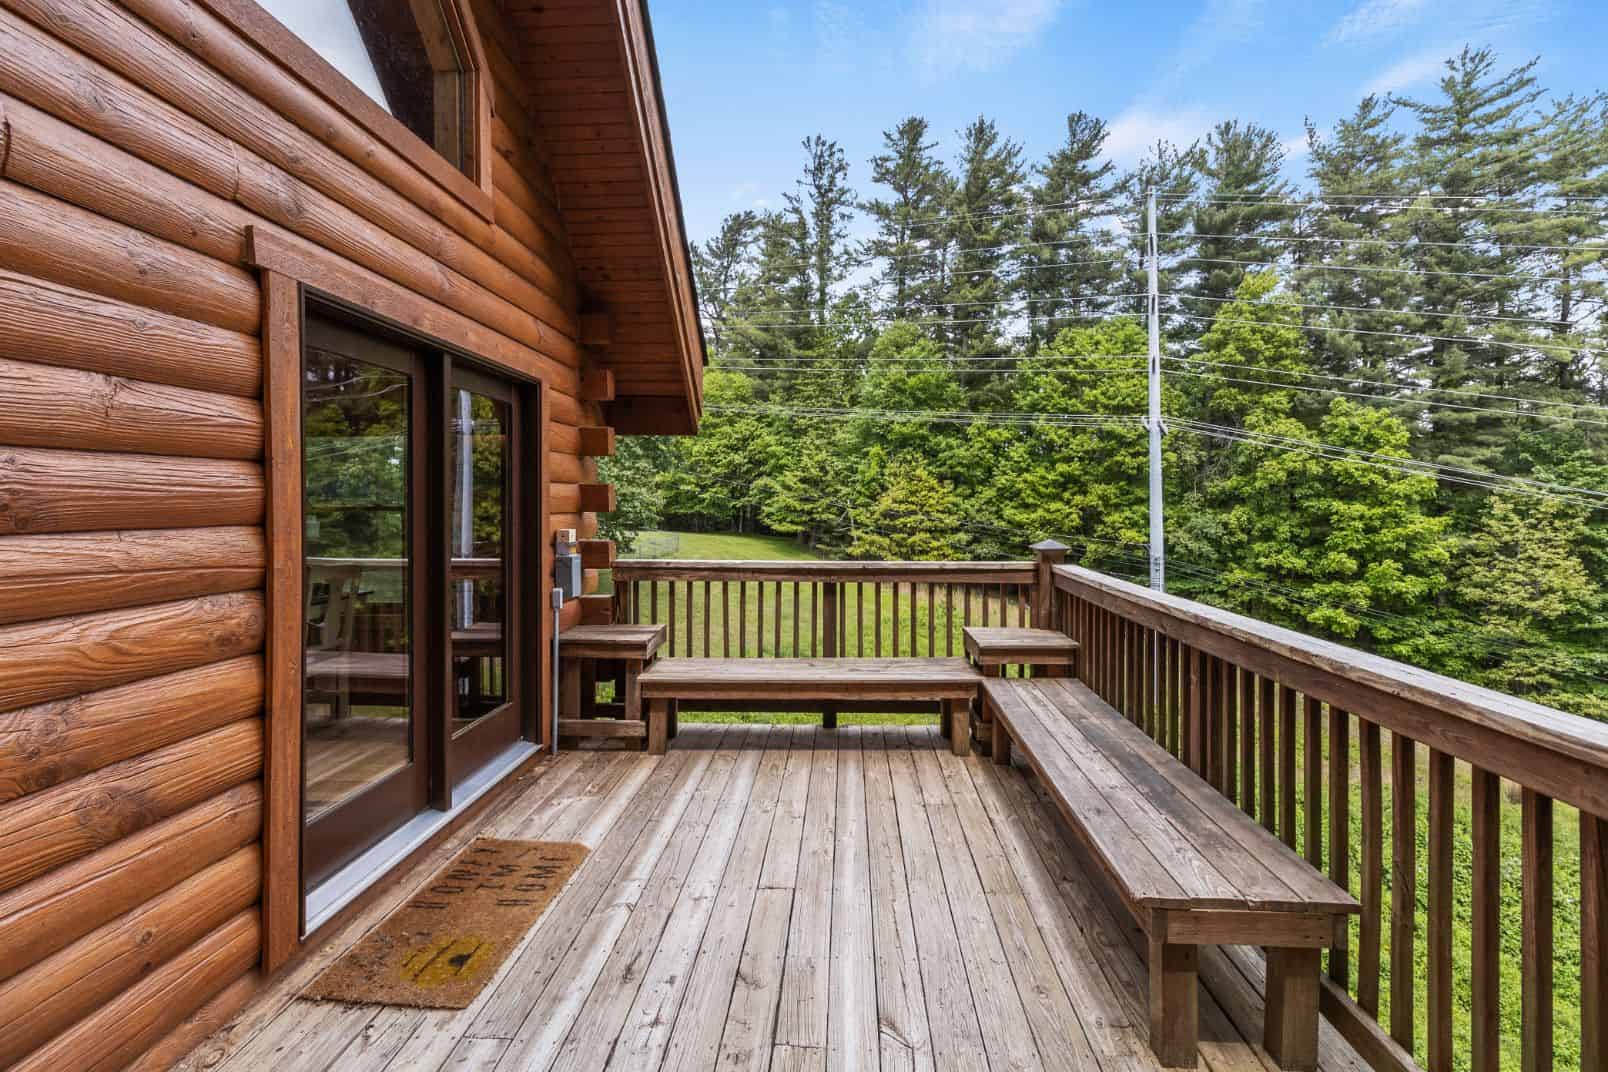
[{"x": 1049, "y": 546}]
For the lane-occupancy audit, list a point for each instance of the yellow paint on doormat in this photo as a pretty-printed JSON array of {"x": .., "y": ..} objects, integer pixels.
[{"x": 440, "y": 948}]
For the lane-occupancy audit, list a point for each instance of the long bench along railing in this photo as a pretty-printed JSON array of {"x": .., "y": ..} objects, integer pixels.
[
  {"x": 820, "y": 609},
  {"x": 1335, "y": 751}
]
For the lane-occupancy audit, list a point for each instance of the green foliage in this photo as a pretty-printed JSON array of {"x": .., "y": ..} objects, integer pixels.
[{"x": 916, "y": 517}]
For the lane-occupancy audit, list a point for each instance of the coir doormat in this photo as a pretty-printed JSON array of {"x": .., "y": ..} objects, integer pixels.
[{"x": 438, "y": 950}]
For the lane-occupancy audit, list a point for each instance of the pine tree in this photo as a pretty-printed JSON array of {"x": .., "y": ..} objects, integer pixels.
[
  {"x": 723, "y": 267},
  {"x": 1352, "y": 265},
  {"x": 1476, "y": 160},
  {"x": 909, "y": 235},
  {"x": 985, "y": 225},
  {"x": 1174, "y": 175},
  {"x": 1066, "y": 265},
  {"x": 823, "y": 206},
  {"x": 916, "y": 517},
  {"x": 1246, "y": 207}
]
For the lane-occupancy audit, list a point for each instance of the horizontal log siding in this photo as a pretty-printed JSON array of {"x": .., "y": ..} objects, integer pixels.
[{"x": 138, "y": 144}]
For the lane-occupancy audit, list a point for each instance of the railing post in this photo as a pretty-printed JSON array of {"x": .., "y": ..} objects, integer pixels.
[
  {"x": 829, "y": 619},
  {"x": 1047, "y": 554}
]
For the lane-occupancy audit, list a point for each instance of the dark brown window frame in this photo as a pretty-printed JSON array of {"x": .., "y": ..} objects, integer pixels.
[
  {"x": 289, "y": 271},
  {"x": 473, "y": 187}
]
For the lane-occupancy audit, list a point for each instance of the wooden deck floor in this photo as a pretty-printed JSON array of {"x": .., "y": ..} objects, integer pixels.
[{"x": 782, "y": 898}]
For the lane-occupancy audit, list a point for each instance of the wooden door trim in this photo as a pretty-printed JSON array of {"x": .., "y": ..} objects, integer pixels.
[
  {"x": 290, "y": 273},
  {"x": 282, "y": 752}
]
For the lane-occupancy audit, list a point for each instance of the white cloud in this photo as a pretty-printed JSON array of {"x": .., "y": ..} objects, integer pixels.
[
  {"x": 976, "y": 35},
  {"x": 1376, "y": 18},
  {"x": 1409, "y": 71},
  {"x": 1140, "y": 127},
  {"x": 1296, "y": 147}
]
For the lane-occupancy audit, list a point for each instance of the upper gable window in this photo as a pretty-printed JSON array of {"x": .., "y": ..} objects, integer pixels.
[{"x": 407, "y": 55}]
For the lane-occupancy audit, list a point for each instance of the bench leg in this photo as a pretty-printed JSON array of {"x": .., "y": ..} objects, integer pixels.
[
  {"x": 1290, "y": 1029},
  {"x": 658, "y": 726},
  {"x": 631, "y": 706},
  {"x": 675, "y": 718},
  {"x": 1002, "y": 744},
  {"x": 959, "y": 727},
  {"x": 1174, "y": 1004},
  {"x": 569, "y": 689},
  {"x": 829, "y": 718}
]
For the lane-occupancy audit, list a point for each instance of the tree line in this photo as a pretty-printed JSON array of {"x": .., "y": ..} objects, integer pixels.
[{"x": 1384, "y": 389}]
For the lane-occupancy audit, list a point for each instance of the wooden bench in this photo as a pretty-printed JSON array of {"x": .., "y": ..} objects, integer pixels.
[
  {"x": 582, "y": 649},
  {"x": 1050, "y": 652},
  {"x": 1190, "y": 866},
  {"x": 951, "y": 683}
]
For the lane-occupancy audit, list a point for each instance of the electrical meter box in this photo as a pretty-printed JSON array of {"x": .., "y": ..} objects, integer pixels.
[{"x": 567, "y": 566}]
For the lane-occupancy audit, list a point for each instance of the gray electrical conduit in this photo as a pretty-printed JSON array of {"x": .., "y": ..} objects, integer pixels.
[{"x": 558, "y": 606}]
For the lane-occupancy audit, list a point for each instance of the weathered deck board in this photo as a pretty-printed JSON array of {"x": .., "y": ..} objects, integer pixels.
[{"x": 785, "y": 898}]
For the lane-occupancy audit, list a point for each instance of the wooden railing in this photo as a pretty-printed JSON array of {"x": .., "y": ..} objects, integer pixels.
[
  {"x": 820, "y": 609},
  {"x": 1400, "y": 785}
]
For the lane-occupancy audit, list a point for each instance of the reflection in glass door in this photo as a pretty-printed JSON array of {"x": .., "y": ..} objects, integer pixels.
[
  {"x": 364, "y": 773},
  {"x": 480, "y": 495}
]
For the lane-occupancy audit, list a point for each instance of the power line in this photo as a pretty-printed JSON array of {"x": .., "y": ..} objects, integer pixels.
[
  {"x": 1401, "y": 464},
  {"x": 1056, "y": 266},
  {"x": 1380, "y": 269},
  {"x": 1399, "y": 385},
  {"x": 1058, "y": 300},
  {"x": 1394, "y": 334},
  {"x": 1383, "y": 398},
  {"x": 1025, "y": 420},
  {"x": 1402, "y": 243},
  {"x": 1538, "y": 320}
]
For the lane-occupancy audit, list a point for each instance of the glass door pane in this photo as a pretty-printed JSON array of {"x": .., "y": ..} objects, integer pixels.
[
  {"x": 478, "y": 487},
  {"x": 364, "y": 774}
]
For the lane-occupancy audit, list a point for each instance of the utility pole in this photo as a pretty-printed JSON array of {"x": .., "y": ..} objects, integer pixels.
[{"x": 1158, "y": 550}]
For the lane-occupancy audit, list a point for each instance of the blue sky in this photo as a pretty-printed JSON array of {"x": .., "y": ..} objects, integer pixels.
[{"x": 745, "y": 81}]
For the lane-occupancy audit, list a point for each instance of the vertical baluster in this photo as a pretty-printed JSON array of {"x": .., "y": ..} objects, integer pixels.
[
  {"x": 815, "y": 617},
  {"x": 1175, "y": 690},
  {"x": 1195, "y": 728},
  {"x": 1441, "y": 791},
  {"x": 1021, "y": 607},
  {"x": 1218, "y": 714},
  {"x": 742, "y": 619},
  {"x": 691, "y": 601},
  {"x": 1403, "y": 886},
  {"x": 776, "y": 626},
  {"x": 1593, "y": 941},
  {"x": 913, "y": 651},
  {"x": 670, "y": 586},
  {"x": 932, "y": 611},
  {"x": 1485, "y": 966},
  {"x": 1287, "y": 765},
  {"x": 966, "y": 594},
  {"x": 878, "y": 601},
  {"x": 797, "y": 614},
  {"x": 949, "y": 620},
  {"x": 1269, "y": 760},
  {"x": 725, "y": 619},
  {"x": 1313, "y": 796},
  {"x": 1340, "y": 833},
  {"x": 1151, "y": 670},
  {"x": 759, "y": 619},
  {"x": 895, "y": 619},
  {"x": 1537, "y": 945},
  {"x": 1371, "y": 761},
  {"x": 1247, "y": 736},
  {"x": 859, "y": 617},
  {"x": 707, "y": 615}
]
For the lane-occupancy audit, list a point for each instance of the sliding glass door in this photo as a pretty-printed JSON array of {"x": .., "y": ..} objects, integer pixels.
[{"x": 415, "y": 491}]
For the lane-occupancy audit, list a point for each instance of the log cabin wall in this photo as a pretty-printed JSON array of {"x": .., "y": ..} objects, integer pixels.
[{"x": 142, "y": 144}]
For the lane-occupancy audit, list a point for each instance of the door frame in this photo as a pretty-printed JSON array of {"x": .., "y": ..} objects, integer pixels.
[{"x": 290, "y": 273}]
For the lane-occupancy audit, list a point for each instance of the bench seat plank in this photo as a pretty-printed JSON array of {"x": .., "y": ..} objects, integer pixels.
[
  {"x": 811, "y": 679},
  {"x": 1191, "y": 866},
  {"x": 1087, "y": 809},
  {"x": 1223, "y": 828},
  {"x": 1199, "y": 875}
]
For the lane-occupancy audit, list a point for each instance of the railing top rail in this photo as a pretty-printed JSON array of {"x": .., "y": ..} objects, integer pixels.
[
  {"x": 1345, "y": 673},
  {"x": 783, "y": 570}
]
